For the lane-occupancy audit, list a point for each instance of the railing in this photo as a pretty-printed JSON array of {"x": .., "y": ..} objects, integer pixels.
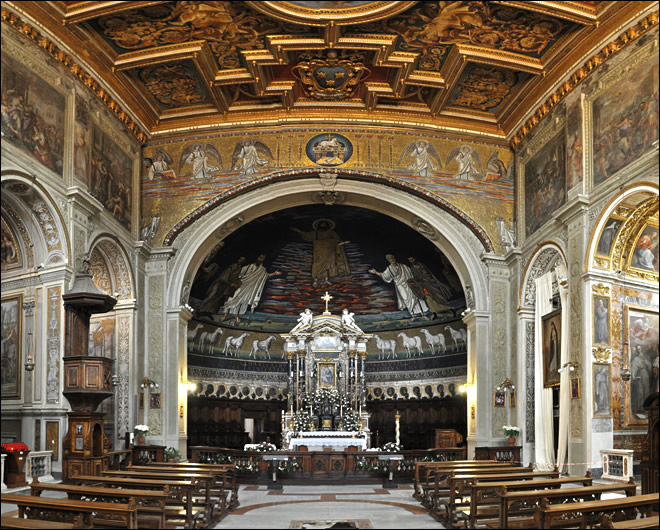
[
  {"x": 38, "y": 464},
  {"x": 617, "y": 464},
  {"x": 116, "y": 460},
  {"x": 356, "y": 464}
]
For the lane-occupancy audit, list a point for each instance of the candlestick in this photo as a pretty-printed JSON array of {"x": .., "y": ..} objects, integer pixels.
[{"x": 396, "y": 419}]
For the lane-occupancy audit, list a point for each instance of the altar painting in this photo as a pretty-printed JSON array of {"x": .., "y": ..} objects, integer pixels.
[
  {"x": 12, "y": 364},
  {"x": 640, "y": 330}
]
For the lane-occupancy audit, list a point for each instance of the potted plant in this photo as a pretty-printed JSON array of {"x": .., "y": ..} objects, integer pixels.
[
  {"x": 172, "y": 454},
  {"x": 140, "y": 433},
  {"x": 511, "y": 432}
]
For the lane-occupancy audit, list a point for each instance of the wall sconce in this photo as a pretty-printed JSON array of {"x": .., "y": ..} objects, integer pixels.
[
  {"x": 626, "y": 374},
  {"x": 29, "y": 362},
  {"x": 191, "y": 385},
  {"x": 506, "y": 385},
  {"x": 571, "y": 365},
  {"x": 149, "y": 383}
]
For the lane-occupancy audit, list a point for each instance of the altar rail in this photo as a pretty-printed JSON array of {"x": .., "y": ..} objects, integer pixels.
[{"x": 323, "y": 465}]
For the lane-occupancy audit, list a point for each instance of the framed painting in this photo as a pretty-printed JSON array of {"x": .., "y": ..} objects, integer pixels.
[
  {"x": 499, "y": 399},
  {"x": 11, "y": 347},
  {"x": 601, "y": 320},
  {"x": 513, "y": 399},
  {"x": 327, "y": 375},
  {"x": 602, "y": 390},
  {"x": 645, "y": 254},
  {"x": 551, "y": 329},
  {"x": 154, "y": 401},
  {"x": 640, "y": 331},
  {"x": 575, "y": 388}
]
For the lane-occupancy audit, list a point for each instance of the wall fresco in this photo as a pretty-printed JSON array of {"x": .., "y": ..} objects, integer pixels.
[
  {"x": 476, "y": 178},
  {"x": 32, "y": 114},
  {"x": 625, "y": 128}
]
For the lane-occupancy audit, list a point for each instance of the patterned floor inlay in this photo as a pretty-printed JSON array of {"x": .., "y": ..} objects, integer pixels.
[{"x": 335, "y": 523}]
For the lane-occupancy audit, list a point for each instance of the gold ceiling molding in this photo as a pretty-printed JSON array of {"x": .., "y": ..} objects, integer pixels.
[
  {"x": 76, "y": 69},
  {"x": 616, "y": 45}
]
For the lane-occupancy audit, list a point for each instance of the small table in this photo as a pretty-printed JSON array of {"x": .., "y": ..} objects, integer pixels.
[
  {"x": 389, "y": 458},
  {"x": 274, "y": 460}
]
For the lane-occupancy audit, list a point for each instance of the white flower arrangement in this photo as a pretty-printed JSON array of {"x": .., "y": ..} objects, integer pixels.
[
  {"x": 391, "y": 447},
  {"x": 265, "y": 447},
  {"x": 351, "y": 421},
  {"x": 141, "y": 430},
  {"x": 511, "y": 431}
]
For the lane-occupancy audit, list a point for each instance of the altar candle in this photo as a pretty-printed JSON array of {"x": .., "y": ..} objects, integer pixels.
[{"x": 341, "y": 409}]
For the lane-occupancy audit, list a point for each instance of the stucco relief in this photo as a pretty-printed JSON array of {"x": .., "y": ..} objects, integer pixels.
[
  {"x": 120, "y": 270},
  {"x": 576, "y": 325},
  {"x": 123, "y": 369},
  {"x": 100, "y": 273},
  {"x": 542, "y": 264},
  {"x": 155, "y": 334},
  {"x": 499, "y": 364},
  {"x": 53, "y": 377},
  {"x": 529, "y": 358}
]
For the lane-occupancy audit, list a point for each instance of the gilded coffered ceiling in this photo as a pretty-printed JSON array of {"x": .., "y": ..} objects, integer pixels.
[{"x": 473, "y": 67}]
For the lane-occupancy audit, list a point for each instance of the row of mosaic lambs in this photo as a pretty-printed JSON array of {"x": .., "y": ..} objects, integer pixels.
[{"x": 412, "y": 345}]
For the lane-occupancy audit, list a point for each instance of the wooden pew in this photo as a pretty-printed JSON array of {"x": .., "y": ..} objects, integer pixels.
[
  {"x": 586, "y": 514},
  {"x": 485, "y": 497},
  {"x": 424, "y": 471},
  {"x": 511, "y": 514},
  {"x": 150, "y": 503},
  {"x": 226, "y": 486},
  {"x": 179, "y": 506},
  {"x": 420, "y": 469},
  {"x": 436, "y": 483},
  {"x": 205, "y": 485},
  {"x": 65, "y": 510},
  {"x": 460, "y": 487},
  {"x": 18, "y": 523},
  {"x": 646, "y": 522}
]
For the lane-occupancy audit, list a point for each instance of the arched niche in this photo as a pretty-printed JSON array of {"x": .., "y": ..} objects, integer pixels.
[
  {"x": 111, "y": 334},
  {"x": 34, "y": 214},
  {"x": 545, "y": 258},
  {"x": 617, "y": 231}
]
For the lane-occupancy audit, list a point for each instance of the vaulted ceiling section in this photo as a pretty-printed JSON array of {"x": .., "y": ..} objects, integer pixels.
[{"x": 473, "y": 67}]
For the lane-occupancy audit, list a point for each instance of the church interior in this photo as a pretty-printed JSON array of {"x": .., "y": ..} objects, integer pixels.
[{"x": 306, "y": 264}]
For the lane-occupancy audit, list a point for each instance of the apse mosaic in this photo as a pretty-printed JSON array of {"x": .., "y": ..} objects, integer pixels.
[
  {"x": 259, "y": 282},
  {"x": 179, "y": 177}
]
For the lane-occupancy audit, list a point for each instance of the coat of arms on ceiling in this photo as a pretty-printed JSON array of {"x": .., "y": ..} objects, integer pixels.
[{"x": 331, "y": 78}]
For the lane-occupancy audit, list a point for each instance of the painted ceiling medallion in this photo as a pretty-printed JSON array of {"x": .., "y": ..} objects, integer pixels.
[
  {"x": 340, "y": 12},
  {"x": 331, "y": 78}
]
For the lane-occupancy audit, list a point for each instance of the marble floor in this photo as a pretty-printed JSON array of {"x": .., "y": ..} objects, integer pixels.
[{"x": 319, "y": 506}]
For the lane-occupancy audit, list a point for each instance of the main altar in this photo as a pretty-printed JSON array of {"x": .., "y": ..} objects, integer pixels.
[{"x": 326, "y": 399}]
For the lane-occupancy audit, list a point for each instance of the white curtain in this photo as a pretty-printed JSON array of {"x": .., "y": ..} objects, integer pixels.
[
  {"x": 544, "y": 431},
  {"x": 565, "y": 381}
]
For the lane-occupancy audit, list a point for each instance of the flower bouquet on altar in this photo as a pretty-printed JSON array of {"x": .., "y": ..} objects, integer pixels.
[
  {"x": 301, "y": 421},
  {"x": 391, "y": 447},
  {"x": 264, "y": 447},
  {"x": 351, "y": 421}
]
